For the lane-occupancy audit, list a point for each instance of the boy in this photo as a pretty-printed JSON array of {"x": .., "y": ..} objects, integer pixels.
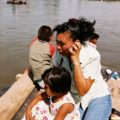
[{"x": 41, "y": 52}]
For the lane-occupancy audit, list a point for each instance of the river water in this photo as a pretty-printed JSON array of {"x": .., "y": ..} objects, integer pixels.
[{"x": 19, "y": 24}]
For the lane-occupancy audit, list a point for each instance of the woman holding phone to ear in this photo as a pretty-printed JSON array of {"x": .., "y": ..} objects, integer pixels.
[{"x": 83, "y": 62}]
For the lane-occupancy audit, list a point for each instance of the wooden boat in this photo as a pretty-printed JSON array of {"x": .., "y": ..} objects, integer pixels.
[
  {"x": 16, "y": 2},
  {"x": 12, "y": 100}
]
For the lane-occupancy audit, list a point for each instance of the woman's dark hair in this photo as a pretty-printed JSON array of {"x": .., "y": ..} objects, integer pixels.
[
  {"x": 44, "y": 33},
  {"x": 58, "y": 79},
  {"x": 80, "y": 29}
]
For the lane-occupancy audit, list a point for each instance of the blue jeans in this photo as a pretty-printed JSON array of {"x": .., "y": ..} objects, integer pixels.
[{"x": 98, "y": 109}]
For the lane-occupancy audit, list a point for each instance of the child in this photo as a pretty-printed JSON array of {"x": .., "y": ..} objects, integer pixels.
[
  {"x": 41, "y": 52},
  {"x": 93, "y": 40},
  {"x": 56, "y": 103}
]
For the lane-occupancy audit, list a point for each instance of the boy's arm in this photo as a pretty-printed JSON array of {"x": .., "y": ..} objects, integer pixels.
[
  {"x": 35, "y": 100},
  {"x": 63, "y": 111}
]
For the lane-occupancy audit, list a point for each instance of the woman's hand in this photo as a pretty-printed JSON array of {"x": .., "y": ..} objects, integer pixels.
[
  {"x": 82, "y": 84},
  {"x": 74, "y": 52}
]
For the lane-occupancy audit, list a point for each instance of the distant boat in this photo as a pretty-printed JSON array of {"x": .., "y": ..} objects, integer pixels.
[{"x": 16, "y": 2}]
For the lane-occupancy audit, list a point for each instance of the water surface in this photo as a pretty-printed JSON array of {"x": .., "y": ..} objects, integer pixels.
[{"x": 19, "y": 24}]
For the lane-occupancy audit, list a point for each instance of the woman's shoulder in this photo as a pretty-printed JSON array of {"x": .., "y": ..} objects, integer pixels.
[
  {"x": 88, "y": 54},
  {"x": 92, "y": 51}
]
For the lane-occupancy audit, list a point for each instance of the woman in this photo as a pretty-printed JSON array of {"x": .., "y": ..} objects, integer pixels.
[{"x": 83, "y": 62}]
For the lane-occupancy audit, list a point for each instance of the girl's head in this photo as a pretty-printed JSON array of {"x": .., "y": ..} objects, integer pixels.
[
  {"x": 72, "y": 30},
  {"x": 57, "y": 80}
]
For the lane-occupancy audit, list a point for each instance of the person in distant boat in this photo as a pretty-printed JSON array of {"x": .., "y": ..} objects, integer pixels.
[
  {"x": 56, "y": 103},
  {"x": 93, "y": 40},
  {"x": 41, "y": 52}
]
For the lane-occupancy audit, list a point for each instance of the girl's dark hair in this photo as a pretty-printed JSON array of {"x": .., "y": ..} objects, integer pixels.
[
  {"x": 58, "y": 79},
  {"x": 44, "y": 33},
  {"x": 80, "y": 29}
]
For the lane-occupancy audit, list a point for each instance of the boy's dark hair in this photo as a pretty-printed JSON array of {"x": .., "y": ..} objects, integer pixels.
[
  {"x": 44, "y": 33},
  {"x": 94, "y": 36},
  {"x": 80, "y": 29},
  {"x": 58, "y": 79}
]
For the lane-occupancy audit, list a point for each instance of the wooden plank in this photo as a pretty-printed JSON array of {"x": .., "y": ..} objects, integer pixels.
[{"x": 16, "y": 95}]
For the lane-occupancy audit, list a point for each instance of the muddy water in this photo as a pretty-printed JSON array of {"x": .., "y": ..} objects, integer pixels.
[{"x": 19, "y": 23}]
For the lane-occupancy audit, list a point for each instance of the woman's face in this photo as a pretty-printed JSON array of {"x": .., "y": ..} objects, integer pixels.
[{"x": 64, "y": 42}]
